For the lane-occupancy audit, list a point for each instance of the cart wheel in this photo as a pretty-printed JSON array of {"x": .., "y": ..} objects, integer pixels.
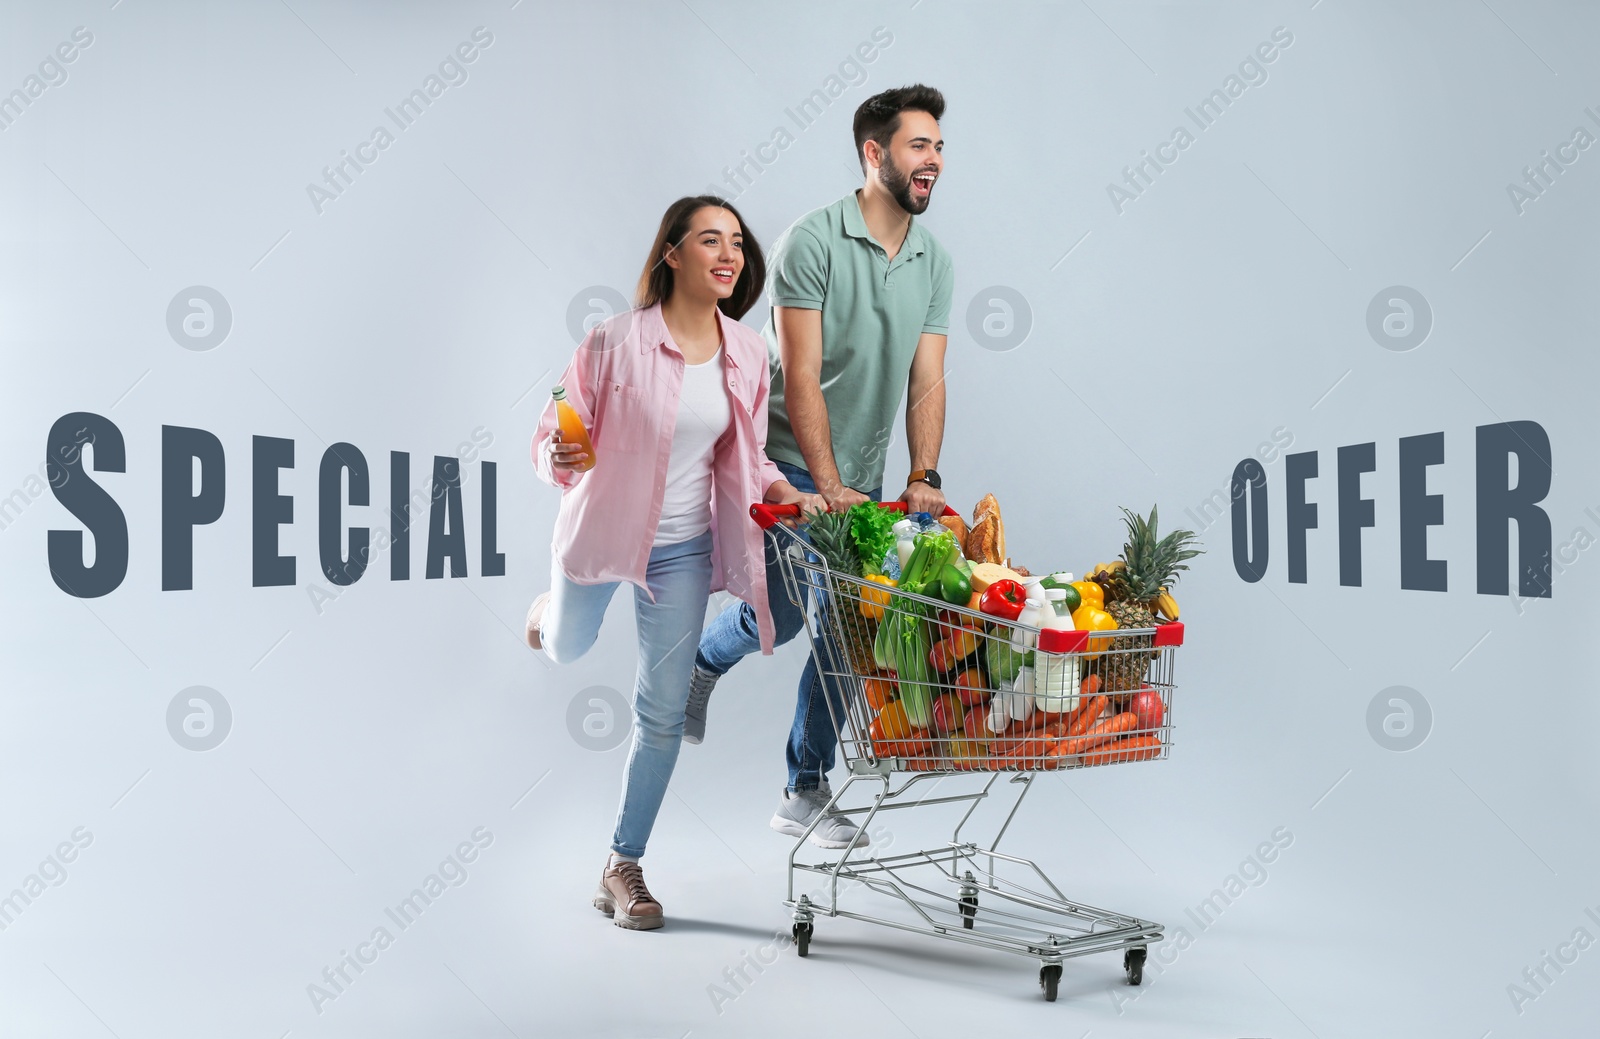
[
  {"x": 802, "y": 938},
  {"x": 1133, "y": 963},
  {"x": 969, "y": 910},
  {"x": 1049, "y": 977}
]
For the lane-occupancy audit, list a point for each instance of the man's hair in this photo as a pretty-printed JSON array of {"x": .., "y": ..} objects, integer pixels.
[{"x": 878, "y": 118}]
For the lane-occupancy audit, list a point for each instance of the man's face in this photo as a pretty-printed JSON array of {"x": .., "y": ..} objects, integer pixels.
[{"x": 913, "y": 161}]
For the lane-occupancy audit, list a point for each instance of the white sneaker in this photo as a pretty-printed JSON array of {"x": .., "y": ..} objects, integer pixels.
[{"x": 799, "y": 809}]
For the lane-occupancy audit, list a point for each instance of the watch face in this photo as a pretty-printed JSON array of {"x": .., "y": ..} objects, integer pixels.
[{"x": 931, "y": 478}]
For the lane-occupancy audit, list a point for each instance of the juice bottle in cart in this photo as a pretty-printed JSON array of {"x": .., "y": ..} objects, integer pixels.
[{"x": 571, "y": 428}]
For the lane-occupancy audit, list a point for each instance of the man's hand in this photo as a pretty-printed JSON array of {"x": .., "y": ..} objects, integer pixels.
[
  {"x": 843, "y": 498},
  {"x": 919, "y": 497}
]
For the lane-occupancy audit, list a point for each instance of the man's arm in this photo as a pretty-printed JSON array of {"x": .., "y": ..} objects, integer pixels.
[
  {"x": 925, "y": 420},
  {"x": 800, "y": 352}
]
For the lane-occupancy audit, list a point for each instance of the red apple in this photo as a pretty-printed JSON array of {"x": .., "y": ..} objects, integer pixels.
[
  {"x": 1148, "y": 708},
  {"x": 948, "y": 714},
  {"x": 973, "y": 687}
]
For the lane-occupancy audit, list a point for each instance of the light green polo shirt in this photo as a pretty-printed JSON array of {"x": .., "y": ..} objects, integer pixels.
[{"x": 873, "y": 311}]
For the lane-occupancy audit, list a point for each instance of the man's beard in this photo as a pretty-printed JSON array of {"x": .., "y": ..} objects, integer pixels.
[{"x": 898, "y": 184}]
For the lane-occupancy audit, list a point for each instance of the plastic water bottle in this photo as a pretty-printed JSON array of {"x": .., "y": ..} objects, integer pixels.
[{"x": 905, "y": 533}]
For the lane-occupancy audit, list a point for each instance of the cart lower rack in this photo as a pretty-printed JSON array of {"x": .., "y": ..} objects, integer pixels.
[{"x": 999, "y": 703}]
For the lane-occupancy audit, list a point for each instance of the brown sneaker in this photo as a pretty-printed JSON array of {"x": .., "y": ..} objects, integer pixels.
[
  {"x": 624, "y": 897},
  {"x": 535, "y": 615}
]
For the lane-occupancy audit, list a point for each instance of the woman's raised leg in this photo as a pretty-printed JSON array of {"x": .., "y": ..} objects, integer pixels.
[{"x": 572, "y": 617}]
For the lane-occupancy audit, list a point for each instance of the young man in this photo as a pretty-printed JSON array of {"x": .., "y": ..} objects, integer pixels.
[{"x": 860, "y": 310}]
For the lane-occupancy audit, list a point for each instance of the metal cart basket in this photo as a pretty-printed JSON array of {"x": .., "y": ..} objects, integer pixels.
[{"x": 1001, "y": 702}]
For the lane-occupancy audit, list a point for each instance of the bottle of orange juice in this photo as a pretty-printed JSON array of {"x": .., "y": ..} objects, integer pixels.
[{"x": 571, "y": 427}]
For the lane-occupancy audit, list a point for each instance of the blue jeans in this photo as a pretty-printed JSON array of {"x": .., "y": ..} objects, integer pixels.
[
  {"x": 732, "y": 635},
  {"x": 679, "y": 576}
]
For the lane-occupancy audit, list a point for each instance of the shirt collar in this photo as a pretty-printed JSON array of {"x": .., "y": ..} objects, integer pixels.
[
  {"x": 653, "y": 332},
  {"x": 855, "y": 225}
]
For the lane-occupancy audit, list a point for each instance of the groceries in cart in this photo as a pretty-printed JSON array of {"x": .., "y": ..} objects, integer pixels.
[{"x": 966, "y": 661}]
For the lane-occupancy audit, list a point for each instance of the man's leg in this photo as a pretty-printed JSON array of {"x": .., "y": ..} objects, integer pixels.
[{"x": 812, "y": 738}]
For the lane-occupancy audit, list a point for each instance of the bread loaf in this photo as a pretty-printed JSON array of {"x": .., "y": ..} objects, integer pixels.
[
  {"x": 992, "y": 542},
  {"x": 980, "y": 544}
]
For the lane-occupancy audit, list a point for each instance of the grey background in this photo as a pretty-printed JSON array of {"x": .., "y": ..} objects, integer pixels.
[{"x": 369, "y": 739}]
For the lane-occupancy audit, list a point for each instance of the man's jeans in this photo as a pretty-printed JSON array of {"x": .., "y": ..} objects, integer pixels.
[{"x": 732, "y": 635}]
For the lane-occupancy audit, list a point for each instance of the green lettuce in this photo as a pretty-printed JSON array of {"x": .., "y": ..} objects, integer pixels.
[{"x": 872, "y": 531}]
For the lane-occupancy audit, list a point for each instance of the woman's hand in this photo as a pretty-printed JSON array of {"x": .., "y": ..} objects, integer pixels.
[
  {"x": 562, "y": 455},
  {"x": 785, "y": 493}
]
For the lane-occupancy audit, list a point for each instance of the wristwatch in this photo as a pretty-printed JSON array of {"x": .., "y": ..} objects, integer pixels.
[{"x": 927, "y": 476}]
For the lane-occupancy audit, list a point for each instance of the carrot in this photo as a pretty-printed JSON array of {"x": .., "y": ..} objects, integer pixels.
[
  {"x": 1002, "y": 746},
  {"x": 1090, "y": 685},
  {"x": 1132, "y": 748},
  {"x": 901, "y": 748},
  {"x": 1035, "y": 748},
  {"x": 1098, "y": 733},
  {"x": 1086, "y": 715},
  {"x": 1034, "y": 722}
]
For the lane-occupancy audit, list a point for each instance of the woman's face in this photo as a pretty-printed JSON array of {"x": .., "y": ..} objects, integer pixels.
[{"x": 707, "y": 263}]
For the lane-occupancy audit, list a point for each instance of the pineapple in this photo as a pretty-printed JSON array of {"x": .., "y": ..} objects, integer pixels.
[
  {"x": 830, "y": 538},
  {"x": 1149, "y": 566}
]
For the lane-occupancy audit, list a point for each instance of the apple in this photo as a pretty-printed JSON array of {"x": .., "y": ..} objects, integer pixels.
[
  {"x": 948, "y": 714},
  {"x": 972, "y": 687},
  {"x": 1149, "y": 709}
]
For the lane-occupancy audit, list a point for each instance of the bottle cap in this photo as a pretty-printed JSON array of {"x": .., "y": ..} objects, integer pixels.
[
  {"x": 558, "y": 392},
  {"x": 1055, "y": 593}
]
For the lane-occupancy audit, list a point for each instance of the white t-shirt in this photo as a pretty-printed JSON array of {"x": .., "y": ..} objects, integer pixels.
[{"x": 703, "y": 416}]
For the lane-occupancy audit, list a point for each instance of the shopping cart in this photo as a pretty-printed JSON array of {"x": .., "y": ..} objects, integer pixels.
[{"x": 1066, "y": 706}]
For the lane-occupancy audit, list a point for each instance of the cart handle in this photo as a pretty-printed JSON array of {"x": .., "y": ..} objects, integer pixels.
[{"x": 766, "y": 515}]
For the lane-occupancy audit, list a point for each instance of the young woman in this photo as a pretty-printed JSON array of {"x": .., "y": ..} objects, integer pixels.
[{"x": 674, "y": 395}]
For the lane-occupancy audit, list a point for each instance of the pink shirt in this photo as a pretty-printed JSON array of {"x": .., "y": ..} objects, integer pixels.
[{"x": 624, "y": 383}]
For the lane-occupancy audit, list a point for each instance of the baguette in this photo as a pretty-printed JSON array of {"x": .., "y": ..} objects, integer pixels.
[{"x": 989, "y": 508}]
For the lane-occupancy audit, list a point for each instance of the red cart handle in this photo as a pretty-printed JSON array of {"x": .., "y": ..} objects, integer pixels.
[{"x": 766, "y": 515}]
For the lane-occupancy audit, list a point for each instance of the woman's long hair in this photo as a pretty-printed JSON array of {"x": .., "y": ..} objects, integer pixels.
[{"x": 655, "y": 284}]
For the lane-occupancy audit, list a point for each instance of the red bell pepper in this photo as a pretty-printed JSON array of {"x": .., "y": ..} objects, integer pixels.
[{"x": 1004, "y": 599}]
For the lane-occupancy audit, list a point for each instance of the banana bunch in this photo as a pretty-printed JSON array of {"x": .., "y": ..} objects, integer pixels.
[{"x": 1164, "y": 605}]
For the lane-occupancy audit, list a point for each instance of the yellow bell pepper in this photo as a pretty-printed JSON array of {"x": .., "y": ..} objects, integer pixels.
[
  {"x": 873, "y": 601},
  {"x": 1092, "y": 618},
  {"x": 1090, "y": 593}
]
